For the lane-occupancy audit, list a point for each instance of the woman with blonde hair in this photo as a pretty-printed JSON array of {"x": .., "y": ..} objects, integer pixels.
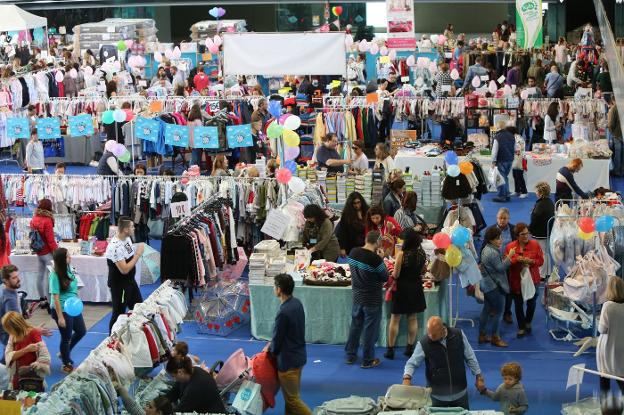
[
  {"x": 25, "y": 350},
  {"x": 566, "y": 184},
  {"x": 383, "y": 159},
  {"x": 610, "y": 347},
  {"x": 220, "y": 166}
]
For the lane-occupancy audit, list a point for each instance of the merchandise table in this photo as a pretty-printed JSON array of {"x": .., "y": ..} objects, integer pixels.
[
  {"x": 328, "y": 313},
  {"x": 78, "y": 150},
  {"x": 595, "y": 172},
  {"x": 92, "y": 270}
]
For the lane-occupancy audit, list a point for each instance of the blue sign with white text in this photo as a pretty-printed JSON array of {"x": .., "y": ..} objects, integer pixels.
[
  {"x": 80, "y": 125},
  {"x": 18, "y": 127},
  {"x": 48, "y": 128},
  {"x": 239, "y": 135},
  {"x": 146, "y": 129},
  {"x": 177, "y": 135},
  {"x": 206, "y": 137}
]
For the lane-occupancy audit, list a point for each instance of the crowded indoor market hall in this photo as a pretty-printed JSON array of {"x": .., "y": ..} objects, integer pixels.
[{"x": 269, "y": 207}]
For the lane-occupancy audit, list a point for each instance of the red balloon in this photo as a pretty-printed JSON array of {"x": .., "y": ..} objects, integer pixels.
[
  {"x": 586, "y": 225},
  {"x": 441, "y": 240},
  {"x": 337, "y": 10}
]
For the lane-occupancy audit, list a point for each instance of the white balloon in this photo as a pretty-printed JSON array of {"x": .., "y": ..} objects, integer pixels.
[
  {"x": 177, "y": 53},
  {"x": 419, "y": 81},
  {"x": 168, "y": 54},
  {"x": 507, "y": 90},
  {"x": 292, "y": 123},
  {"x": 119, "y": 115},
  {"x": 383, "y": 51},
  {"x": 88, "y": 70},
  {"x": 363, "y": 46},
  {"x": 392, "y": 55},
  {"x": 296, "y": 185},
  {"x": 217, "y": 40},
  {"x": 157, "y": 56},
  {"x": 374, "y": 49},
  {"x": 411, "y": 61},
  {"x": 59, "y": 76},
  {"x": 110, "y": 144},
  {"x": 454, "y": 74},
  {"x": 524, "y": 94},
  {"x": 434, "y": 39},
  {"x": 492, "y": 87},
  {"x": 476, "y": 82},
  {"x": 73, "y": 73}
]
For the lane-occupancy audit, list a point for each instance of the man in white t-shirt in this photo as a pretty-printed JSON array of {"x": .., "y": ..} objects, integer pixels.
[{"x": 121, "y": 258}]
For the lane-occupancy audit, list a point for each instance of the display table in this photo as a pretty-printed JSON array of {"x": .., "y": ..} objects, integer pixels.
[
  {"x": 595, "y": 172},
  {"x": 78, "y": 150},
  {"x": 328, "y": 313},
  {"x": 92, "y": 270}
]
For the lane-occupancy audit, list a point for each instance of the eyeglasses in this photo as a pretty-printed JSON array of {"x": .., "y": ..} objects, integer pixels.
[{"x": 524, "y": 234}]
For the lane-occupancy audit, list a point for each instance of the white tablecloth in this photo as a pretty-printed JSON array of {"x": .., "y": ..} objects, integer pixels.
[
  {"x": 595, "y": 172},
  {"x": 93, "y": 272}
]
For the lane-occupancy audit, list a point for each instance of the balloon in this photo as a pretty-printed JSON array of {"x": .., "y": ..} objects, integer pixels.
[
  {"x": 213, "y": 49},
  {"x": 217, "y": 40},
  {"x": 291, "y": 153},
  {"x": 337, "y": 10},
  {"x": 220, "y": 12},
  {"x": 110, "y": 144},
  {"x": 121, "y": 46},
  {"x": 492, "y": 87},
  {"x": 374, "y": 49},
  {"x": 283, "y": 175},
  {"x": 460, "y": 236},
  {"x": 73, "y": 73},
  {"x": 129, "y": 114},
  {"x": 453, "y": 170},
  {"x": 119, "y": 149},
  {"x": 73, "y": 306},
  {"x": 392, "y": 55},
  {"x": 476, "y": 82},
  {"x": 292, "y": 123},
  {"x": 411, "y": 61},
  {"x": 604, "y": 223},
  {"x": 168, "y": 54},
  {"x": 129, "y": 43},
  {"x": 59, "y": 76},
  {"x": 348, "y": 41},
  {"x": 453, "y": 256},
  {"x": 383, "y": 51},
  {"x": 275, "y": 108},
  {"x": 363, "y": 46},
  {"x": 157, "y": 56},
  {"x": 125, "y": 157},
  {"x": 454, "y": 74},
  {"x": 177, "y": 53},
  {"x": 291, "y": 138},
  {"x": 434, "y": 39},
  {"x": 466, "y": 167},
  {"x": 586, "y": 225},
  {"x": 296, "y": 185},
  {"x": 283, "y": 118},
  {"x": 208, "y": 42},
  {"x": 291, "y": 165},
  {"x": 214, "y": 12},
  {"x": 585, "y": 236},
  {"x": 107, "y": 117},
  {"x": 441, "y": 240},
  {"x": 274, "y": 130},
  {"x": 119, "y": 115},
  {"x": 441, "y": 40},
  {"x": 451, "y": 157}
]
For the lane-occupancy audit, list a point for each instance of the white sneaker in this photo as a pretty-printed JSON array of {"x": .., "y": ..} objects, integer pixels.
[
  {"x": 524, "y": 195},
  {"x": 513, "y": 194}
]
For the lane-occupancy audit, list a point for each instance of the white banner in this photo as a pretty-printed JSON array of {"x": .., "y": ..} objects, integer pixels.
[{"x": 277, "y": 54}]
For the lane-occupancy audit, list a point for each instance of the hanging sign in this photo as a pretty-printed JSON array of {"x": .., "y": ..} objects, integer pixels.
[
  {"x": 146, "y": 129},
  {"x": 18, "y": 127},
  {"x": 182, "y": 208},
  {"x": 239, "y": 135},
  {"x": 177, "y": 135},
  {"x": 80, "y": 125},
  {"x": 48, "y": 128},
  {"x": 206, "y": 137},
  {"x": 400, "y": 25},
  {"x": 529, "y": 24}
]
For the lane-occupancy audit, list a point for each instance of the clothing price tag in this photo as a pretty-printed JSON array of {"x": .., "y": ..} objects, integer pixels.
[
  {"x": 275, "y": 224},
  {"x": 179, "y": 209},
  {"x": 405, "y": 79},
  {"x": 501, "y": 79},
  {"x": 575, "y": 376},
  {"x": 448, "y": 55},
  {"x": 485, "y": 77},
  {"x": 143, "y": 83},
  {"x": 446, "y": 88}
]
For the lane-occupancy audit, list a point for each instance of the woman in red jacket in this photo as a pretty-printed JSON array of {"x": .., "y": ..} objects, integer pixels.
[
  {"x": 5, "y": 246},
  {"x": 43, "y": 222},
  {"x": 528, "y": 254},
  {"x": 377, "y": 220}
]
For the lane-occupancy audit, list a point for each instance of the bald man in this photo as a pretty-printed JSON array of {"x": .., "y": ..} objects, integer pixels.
[{"x": 444, "y": 350}]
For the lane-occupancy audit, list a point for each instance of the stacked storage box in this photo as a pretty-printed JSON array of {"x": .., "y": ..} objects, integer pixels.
[
  {"x": 275, "y": 258},
  {"x": 332, "y": 192},
  {"x": 146, "y": 31},
  {"x": 350, "y": 185},
  {"x": 436, "y": 188},
  {"x": 377, "y": 188},
  {"x": 208, "y": 28},
  {"x": 429, "y": 189},
  {"x": 321, "y": 177},
  {"x": 257, "y": 267},
  {"x": 94, "y": 35}
]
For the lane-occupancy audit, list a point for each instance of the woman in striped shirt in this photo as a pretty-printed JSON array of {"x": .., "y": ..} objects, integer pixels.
[{"x": 444, "y": 82}]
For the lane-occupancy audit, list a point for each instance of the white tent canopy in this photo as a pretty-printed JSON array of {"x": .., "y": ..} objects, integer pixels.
[{"x": 13, "y": 18}]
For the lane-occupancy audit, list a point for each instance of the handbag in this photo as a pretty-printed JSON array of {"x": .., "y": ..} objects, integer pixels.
[
  {"x": 526, "y": 284},
  {"x": 248, "y": 400},
  {"x": 29, "y": 380},
  {"x": 156, "y": 227}
]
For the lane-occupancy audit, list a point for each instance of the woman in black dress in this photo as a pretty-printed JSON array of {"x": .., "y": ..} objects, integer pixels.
[
  {"x": 409, "y": 297},
  {"x": 351, "y": 229}
]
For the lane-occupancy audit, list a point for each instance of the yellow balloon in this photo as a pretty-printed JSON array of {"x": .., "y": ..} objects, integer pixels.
[
  {"x": 291, "y": 138},
  {"x": 585, "y": 236},
  {"x": 453, "y": 256}
]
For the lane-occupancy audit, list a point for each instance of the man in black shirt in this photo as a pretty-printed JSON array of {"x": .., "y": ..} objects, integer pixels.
[
  {"x": 368, "y": 273},
  {"x": 288, "y": 345},
  {"x": 195, "y": 390}
]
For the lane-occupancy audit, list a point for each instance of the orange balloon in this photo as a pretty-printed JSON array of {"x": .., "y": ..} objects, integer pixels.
[
  {"x": 156, "y": 106},
  {"x": 465, "y": 167}
]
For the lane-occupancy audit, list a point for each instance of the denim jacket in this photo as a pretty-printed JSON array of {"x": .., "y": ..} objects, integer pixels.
[{"x": 494, "y": 269}]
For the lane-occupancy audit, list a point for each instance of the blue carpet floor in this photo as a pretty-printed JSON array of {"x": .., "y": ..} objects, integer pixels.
[{"x": 545, "y": 361}]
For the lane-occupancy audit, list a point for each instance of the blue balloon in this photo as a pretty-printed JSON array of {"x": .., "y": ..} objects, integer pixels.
[
  {"x": 275, "y": 108},
  {"x": 453, "y": 170},
  {"x": 291, "y": 165},
  {"x": 451, "y": 157},
  {"x": 73, "y": 306},
  {"x": 460, "y": 236},
  {"x": 604, "y": 223}
]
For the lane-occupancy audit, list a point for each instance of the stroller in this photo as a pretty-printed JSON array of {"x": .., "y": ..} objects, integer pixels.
[{"x": 240, "y": 372}]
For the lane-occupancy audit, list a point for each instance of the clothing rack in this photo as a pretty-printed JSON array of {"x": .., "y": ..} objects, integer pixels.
[{"x": 194, "y": 211}]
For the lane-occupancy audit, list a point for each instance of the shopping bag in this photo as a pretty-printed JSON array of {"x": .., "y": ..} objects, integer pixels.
[
  {"x": 248, "y": 400},
  {"x": 526, "y": 283},
  {"x": 495, "y": 179}
]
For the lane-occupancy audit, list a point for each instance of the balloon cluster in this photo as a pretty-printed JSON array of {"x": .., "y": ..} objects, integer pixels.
[
  {"x": 217, "y": 12},
  {"x": 452, "y": 244},
  {"x": 119, "y": 150},
  {"x": 454, "y": 167},
  {"x": 213, "y": 44},
  {"x": 588, "y": 227}
]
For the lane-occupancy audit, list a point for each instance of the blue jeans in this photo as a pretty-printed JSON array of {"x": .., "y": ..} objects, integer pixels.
[
  {"x": 617, "y": 146},
  {"x": 71, "y": 334},
  {"x": 504, "y": 167},
  {"x": 196, "y": 157},
  {"x": 367, "y": 319},
  {"x": 493, "y": 306}
]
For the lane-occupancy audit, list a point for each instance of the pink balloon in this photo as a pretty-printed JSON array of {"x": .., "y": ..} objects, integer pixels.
[
  {"x": 168, "y": 54},
  {"x": 110, "y": 145},
  {"x": 392, "y": 55},
  {"x": 129, "y": 43},
  {"x": 209, "y": 42},
  {"x": 129, "y": 114},
  {"x": 411, "y": 61},
  {"x": 118, "y": 150},
  {"x": 177, "y": 53},
  {"x": 88, "y": 70},
  {"x": 214, "y": 49},
  {"x": 363, "y": 46},
  {"x": 291, "y": 153},
  {"x": 383, "y": 51},
  {"x": 217, "y": 40},
  {"x": 374, "y": 49},
  {"x": 283, "y": 175},
  {"x": 282, "y": 119}
]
